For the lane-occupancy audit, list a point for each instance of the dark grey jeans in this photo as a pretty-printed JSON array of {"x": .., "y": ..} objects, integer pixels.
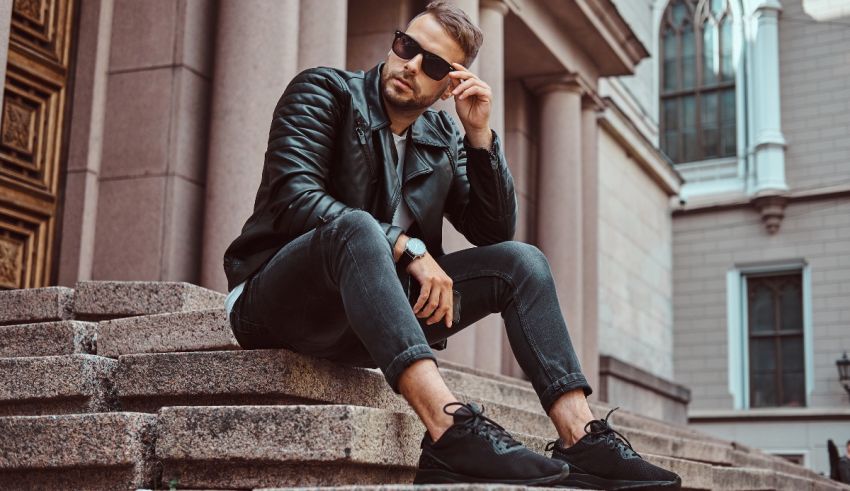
[{"x": 335, "y": 293}]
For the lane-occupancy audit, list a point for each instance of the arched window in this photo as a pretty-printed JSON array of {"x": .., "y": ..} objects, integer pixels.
[{"x": 697, "y": 81}]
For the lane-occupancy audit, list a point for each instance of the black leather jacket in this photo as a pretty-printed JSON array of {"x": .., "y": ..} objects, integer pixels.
[{"x": 330, "y": 151}]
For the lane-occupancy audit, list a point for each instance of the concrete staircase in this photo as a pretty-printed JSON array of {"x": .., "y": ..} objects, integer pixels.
[{"x": 129, "y": 385}]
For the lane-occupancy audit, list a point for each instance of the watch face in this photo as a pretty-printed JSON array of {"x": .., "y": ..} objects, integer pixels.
[{"x": 416, "y": 247}]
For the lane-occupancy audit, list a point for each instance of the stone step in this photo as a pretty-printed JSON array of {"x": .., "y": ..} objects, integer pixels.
[
  {"x": 147, "y": 382},
  {"x": 208, "y": 330},
  {"x": 103, "y": 451},
  {"x": 199, "y": 330},
  {"x": 56, "y": 385},
  {"x": 48, "y": 339},
  {"x": 36, "y": 305},
  {"x": 98, "y": 300},
  {"x": 411, "y": 487},
  {"x": 263, "y": 446}
]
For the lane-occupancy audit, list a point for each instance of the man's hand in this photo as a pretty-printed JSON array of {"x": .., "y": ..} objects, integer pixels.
[
  {"x": 473, "y": 101},
  {"x": 435, "y": 297}
]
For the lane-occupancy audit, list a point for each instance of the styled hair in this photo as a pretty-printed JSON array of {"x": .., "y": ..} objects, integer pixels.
[{"x": 458, "y": 25}]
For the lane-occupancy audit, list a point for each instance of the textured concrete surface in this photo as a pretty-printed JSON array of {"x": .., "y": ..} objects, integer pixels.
[
  {"x": 79, "y": 451},
  {"x": 146, "y": 382},
  {"x": 184, "y": 331},
  {"x": 149, "y": 381},
  {"x": 48, "y": 338},
  {"x": 110, "y": 299},
  {"x": 221, "y": 446},
  {"x": 419, "y": 487},
  {"x": 56, "y": 385},
  {"x": 36, "y": 305}
]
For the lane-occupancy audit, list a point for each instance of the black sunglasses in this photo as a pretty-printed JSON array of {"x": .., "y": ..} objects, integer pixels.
[{"x": 406, "y": 47}]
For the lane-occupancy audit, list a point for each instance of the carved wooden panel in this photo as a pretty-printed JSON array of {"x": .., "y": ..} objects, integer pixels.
[{"x": 32, "y": 139}]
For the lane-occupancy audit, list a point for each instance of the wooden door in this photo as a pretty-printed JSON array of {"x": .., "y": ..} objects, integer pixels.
[{"x": 32, "y": 140}]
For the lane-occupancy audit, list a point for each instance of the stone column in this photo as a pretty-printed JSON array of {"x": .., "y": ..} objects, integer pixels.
[
  {"x": 85, "y": 143},
  {"x": 154, "y": 143},
  {"x": 5, "y": 32},
  {"x": 322, "y": 29},
  {"x": 590, "y": 244},
  {"x": 256, "y": 57},
  {"x": 489, "y": 66},
  {"x": 492, "y": 57},
  {"x": 560, "y": 203},
  {"x": 769, "y": 144},
  {"x": 461, "y": 347}
]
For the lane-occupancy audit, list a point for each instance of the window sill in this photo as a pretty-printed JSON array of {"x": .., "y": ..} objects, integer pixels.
[{"x": 769, "y": 414}]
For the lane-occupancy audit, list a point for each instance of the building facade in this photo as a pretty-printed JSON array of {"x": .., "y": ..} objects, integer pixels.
[
  {"x": 761, "y": 244},
  {"x": 676, "y": 160}
]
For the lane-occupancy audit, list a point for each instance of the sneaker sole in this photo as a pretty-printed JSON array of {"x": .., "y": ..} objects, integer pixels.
[
  {"x": 438, "y": 476},
  {"x": 588, "y": 481}
]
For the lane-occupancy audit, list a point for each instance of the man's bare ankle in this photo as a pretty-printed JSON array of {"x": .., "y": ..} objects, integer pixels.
[{"x": 440, "y": 427}]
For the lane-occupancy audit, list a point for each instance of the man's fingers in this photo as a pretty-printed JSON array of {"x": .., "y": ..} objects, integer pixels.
[
  {"x": 431, "y": 306},
  {"x": 463, "y": 86},
  {"x": 475, "y": 90},
  {"x": 444, "y": 308},
  {"x": 423, "y": 297},
  {"x": 450, "y": 314}
]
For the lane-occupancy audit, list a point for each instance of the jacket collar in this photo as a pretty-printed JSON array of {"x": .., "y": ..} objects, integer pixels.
[{"x": 422, "y": 131}]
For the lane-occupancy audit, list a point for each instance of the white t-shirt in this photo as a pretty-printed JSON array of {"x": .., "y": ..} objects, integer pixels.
[{"x": 402, "y": 217}]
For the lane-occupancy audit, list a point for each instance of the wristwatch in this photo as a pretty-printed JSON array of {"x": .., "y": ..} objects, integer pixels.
[{"x": 414, "y": 249}]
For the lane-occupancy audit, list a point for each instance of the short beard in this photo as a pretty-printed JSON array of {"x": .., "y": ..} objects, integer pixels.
[{"x": 417, "y": 103}]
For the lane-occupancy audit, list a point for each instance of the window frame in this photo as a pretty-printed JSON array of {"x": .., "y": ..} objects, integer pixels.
[
  {"x": 738, "y": 330},
  {"x": 776, "y": 335},
  {"x": 699, "y": 88}
]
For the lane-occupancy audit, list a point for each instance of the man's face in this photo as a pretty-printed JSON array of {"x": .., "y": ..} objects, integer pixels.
[{"x": 418, "y": 91}]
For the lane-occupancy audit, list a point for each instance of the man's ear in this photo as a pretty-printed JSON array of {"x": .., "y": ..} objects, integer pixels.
[{"x": 448, "y": 92}]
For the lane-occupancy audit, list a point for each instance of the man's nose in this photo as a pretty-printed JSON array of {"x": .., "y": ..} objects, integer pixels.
[{"x": 414, "y": 64}]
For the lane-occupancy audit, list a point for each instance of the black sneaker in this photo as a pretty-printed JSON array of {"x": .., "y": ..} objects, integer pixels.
[
  {"x": 604, "y": 459},
  {"x": 476, "y": 449}
]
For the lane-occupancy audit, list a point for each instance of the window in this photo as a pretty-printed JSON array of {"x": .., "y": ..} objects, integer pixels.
[
  {"x": 794, "y": 458},
  {"x": 697, "y": 81},
  {"x": 775, "y": 340}
]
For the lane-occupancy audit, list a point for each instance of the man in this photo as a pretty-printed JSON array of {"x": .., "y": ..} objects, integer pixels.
[
  {"x": 342, "y": 257},
  {"x": 844, "y": 465}
]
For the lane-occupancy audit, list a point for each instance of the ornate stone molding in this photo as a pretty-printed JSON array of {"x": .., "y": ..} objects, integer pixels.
[
  {"x": 494, "y": 5},
  {"x": 564, "y": 82},
  {"x": 772, "y": 210}
]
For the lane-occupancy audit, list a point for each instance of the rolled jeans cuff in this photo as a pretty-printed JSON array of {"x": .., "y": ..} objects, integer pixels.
[
  {"x": 568, "y": 382},
  {"x": 403, "y": 360}
]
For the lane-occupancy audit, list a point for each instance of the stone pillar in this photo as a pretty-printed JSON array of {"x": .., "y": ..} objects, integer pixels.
[
  {"x": 85, "y": 143},
  {"x": 154, "y": 148},
  {"x": 5, "y": 32},
  {"x": 490, "y": 333},
  {"x": 491, "y": 17},
  {"x": 590, "y": 245},
  {"x": 559, "y": 199},
  {"x": 461, "y": 347},
  {"x": 322, "y": 29},
  {"x": 768, "y": 142},
  {"x": 256, "y": 56},
  {"x": 768, "y": 148}
]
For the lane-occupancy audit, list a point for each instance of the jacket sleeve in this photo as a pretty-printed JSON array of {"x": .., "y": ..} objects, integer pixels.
[
  {"x": 481, "y": 203},
  {"x": 301, "y": 145}
]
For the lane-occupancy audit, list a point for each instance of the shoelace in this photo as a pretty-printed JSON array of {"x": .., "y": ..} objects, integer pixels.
[
  {"x": 478, "y": 423},
  {"x": 611, "y": 436}
]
